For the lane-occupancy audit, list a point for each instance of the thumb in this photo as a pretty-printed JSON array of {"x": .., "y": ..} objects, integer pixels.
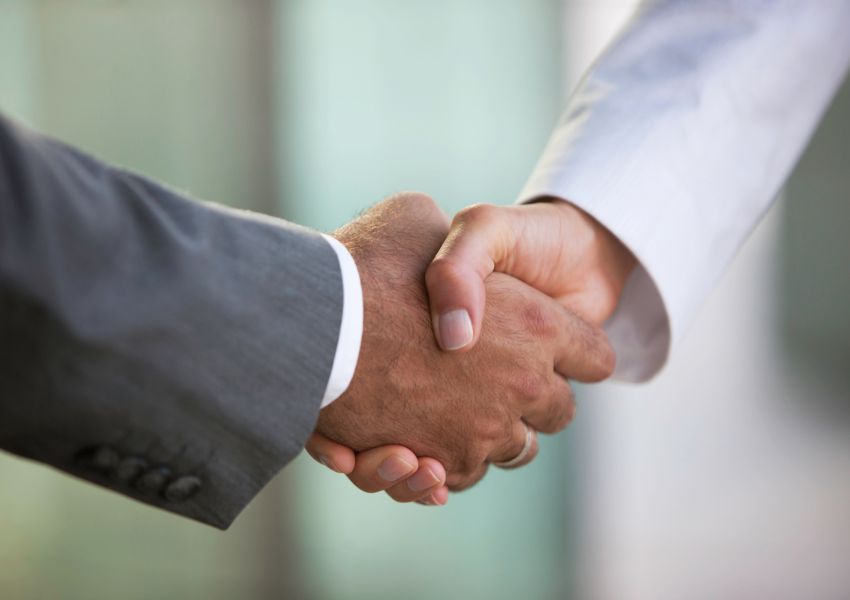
[{"x": 481, "y": 237}]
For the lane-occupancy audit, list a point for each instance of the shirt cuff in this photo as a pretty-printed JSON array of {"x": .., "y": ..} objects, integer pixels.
[
  {"x": 350, "y": 327},
  {"x": 640, "y": 328}
]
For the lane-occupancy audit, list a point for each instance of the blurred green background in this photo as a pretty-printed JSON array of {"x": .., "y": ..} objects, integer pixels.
[{"x": 311, "y": 111}]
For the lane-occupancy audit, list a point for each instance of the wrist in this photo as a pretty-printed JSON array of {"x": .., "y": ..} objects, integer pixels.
[
  {"x": 367, "y": 256},
  {"x": 604, "y": 259}
]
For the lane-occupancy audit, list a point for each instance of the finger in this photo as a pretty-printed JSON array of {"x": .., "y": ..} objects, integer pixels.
[
  {"x": 520, "y": 451},
  {"x": 582, "y": 350},
  {"x": 437, "y": 498},
  {"x": 555, "y": 409},
  {"x": 430, "y": 476},
  {"x": 441, "y": 496},
  {"x": 481, "y": 236},
  {"x": 378, "y": 469},
  {"x": 334, "y": 456},
  {"x": 457, "y": 482}
]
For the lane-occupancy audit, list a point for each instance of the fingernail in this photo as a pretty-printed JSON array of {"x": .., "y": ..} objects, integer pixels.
[
  {"x": 455, "y": 329},
  {"x": 423, "y": 481},
  {"x": 327, "y": 462},
  {"x": 394, "y": 468}
]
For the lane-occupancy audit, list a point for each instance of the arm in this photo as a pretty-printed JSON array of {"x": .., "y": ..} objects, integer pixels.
[
  {"x": 172, "y": 351},
  {"x": 671, "y": 149},
  {"x": 179, "y": 353},
  {"x": 680, "y": 137}
]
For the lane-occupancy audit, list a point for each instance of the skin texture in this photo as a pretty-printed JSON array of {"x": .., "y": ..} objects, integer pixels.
[
  {"x": 459, "y": 411},
  {"x": 551, "y": 245}
]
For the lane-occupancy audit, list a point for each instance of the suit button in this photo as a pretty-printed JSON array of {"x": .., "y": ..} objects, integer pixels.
[
  {"x": 129, "y": 468},
  {"x": 182, "y": 488},
  {"x": 104, "y": 459},
  {"x": 153, "y": 480}
]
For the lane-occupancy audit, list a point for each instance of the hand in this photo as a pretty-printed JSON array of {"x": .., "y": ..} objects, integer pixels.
[
  {"x": 462, "y": 410},
  {"x": 394, "y": 469},
  {"x": 552, "y": 246}
]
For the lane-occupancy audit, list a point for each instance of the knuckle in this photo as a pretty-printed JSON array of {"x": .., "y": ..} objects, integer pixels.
[
  {"x": 456, "y": 481},
  {"x": 476, "y": 213},
  {"x": 538, "y": 321},
  {"x": 477, "y": 457},
  {"x": 417, "y": 199},
  {"x": 463, "y": 481},
  {"x": 419, "y": 208},
  {"x": 510, "y": 449},
  {"x": 443, "y": 269},
  {"x": 605, "y": 357},
  {"x": 529, "y": 386},
  {"x": 562, "y": 418},
  {"x": 553, "y": 416},
  {"x": 562, "y": 410},
  {"x": 494, "y": 426},
  {"x": 506, "y": 445},
  {"x": 558, "y": 414},
  {"x": 466, "y": 467},
  {"x": 466, "y": 463}
]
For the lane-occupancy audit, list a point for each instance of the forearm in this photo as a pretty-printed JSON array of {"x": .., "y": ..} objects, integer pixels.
[
  {"x": 195, "y": 337},
  {"x": 679, "y": 139}
]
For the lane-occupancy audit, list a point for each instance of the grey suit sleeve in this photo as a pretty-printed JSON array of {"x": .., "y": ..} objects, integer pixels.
[{"x": 173, "y": 351}]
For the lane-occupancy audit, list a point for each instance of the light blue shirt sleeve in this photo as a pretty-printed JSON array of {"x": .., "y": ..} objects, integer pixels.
[{"x": 679, "y": 138}]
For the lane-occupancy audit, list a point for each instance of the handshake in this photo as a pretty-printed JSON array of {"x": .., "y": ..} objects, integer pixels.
[{"x": 445, "y": 387}]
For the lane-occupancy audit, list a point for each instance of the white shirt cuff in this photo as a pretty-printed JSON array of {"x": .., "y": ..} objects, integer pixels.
[
  {"x": 678, "y": 146},
  {"x": 351, "y": 325},
  {"x": 639, "y": 330}
]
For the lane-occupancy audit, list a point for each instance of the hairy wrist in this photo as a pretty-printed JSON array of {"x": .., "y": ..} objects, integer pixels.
[{"x": 391, "y": 245}]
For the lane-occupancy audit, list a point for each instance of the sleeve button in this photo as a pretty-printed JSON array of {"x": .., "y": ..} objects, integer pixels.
[
  {"x": 153, "y": 480},
  {"x": 183, "y": 488},
  {"x": 129, "y": 468},
  {"x": 104, "y": 459}
]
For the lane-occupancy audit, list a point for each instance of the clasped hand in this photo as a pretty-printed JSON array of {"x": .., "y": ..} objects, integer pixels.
[{"x": 421, "y": 418}]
